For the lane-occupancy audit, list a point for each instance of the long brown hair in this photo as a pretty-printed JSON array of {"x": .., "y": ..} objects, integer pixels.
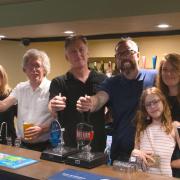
[
  {"x": 4, "y": 86},
  {"x": 141, "y": 116},
  {"x": 174, "y": 60}
]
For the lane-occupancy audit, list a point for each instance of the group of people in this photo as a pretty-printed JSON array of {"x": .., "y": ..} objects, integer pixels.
[
  {"x": 137, "y": 113},
  {"x": 145, "y": 118}
]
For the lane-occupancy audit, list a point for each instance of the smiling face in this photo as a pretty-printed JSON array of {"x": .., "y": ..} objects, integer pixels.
[
  {"x": 127, "y": 57},
  {"x": 35, "y": 71},
  {"x": 170, "y": 75},
  {"x": 77, "y": 54},
  {"x": 154, "y": 106}
]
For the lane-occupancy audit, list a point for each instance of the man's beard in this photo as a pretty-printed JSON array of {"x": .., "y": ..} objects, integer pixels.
[{"x": 127, "y": 67}]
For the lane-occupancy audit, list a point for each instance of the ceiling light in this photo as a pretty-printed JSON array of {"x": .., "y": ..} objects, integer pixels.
[
  {"x": 2, "y": 36},
  {"x": 163, "y": 26},
  {"x": 68, "y": 32}
]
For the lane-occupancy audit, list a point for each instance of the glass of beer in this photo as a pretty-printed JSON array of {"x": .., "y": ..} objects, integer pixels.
[{"x": 26, "y": 125}]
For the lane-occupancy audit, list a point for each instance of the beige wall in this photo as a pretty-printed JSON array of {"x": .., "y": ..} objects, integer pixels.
[
  {"x": 159, "y": 46},
  {"x": 148, "y": 46},
  {"x": 11, "y": 53},
  {"x": 10, "y": 57}
]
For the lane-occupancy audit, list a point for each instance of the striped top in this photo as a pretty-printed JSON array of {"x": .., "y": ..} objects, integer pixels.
[{"x": 163, "y": 145}]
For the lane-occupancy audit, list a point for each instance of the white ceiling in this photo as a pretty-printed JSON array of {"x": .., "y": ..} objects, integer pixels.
[{"x": 89, "y": 26}]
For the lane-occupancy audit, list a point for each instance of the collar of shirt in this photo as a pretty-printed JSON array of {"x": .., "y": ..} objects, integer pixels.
[
  {"x": 69, "y": 75},
  {"x": 139, "y": 76},
  {"x": 42, "y": 85}
]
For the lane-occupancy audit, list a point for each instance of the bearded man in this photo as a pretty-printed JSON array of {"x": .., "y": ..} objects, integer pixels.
[{"x": 121, "y": 93}]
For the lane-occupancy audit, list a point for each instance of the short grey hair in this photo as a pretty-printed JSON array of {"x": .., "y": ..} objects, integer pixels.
[
  {"x": 32, "y": 54},
  {"x": 124, "y": 40},
  {"x": 73, "y": 38}
]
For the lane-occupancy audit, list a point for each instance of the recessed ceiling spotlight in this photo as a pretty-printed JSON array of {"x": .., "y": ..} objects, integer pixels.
[
  {"x": 163, "y": 26},
  {"x": 68, "y": 32},
  {"x": 2, "y": 36}
]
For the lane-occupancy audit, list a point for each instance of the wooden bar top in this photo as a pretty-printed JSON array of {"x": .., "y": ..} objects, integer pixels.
[{"x": 43, "y": 169}]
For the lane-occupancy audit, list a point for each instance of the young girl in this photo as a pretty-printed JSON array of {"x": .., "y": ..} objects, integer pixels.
[{"x": 155, "y": 133}]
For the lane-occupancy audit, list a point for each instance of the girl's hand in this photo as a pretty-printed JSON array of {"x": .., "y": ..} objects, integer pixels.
[{"x": 144, "y": 155}]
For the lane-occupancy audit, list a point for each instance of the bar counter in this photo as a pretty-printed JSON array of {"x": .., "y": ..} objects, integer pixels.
[{"x": 43, "y": 169}]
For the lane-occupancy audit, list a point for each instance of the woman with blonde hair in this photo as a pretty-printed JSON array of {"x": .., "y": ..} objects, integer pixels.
[
  {"x": 7, "y": 117},
  {"x": 169, "y": 83},
  {"x": 155, "y": 134}
]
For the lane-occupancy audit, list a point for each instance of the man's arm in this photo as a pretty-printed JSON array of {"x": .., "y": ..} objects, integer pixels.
[
  {"x": 6, "y": 103},
  {"x": 45, "y": 126},
  {"x": 92, "y": 103},
  {"x": 99, "y": 100}
]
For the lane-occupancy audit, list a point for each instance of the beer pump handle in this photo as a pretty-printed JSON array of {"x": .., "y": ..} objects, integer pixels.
[
  {"x": 86, "y": 115},
  {"x": 60, "y": 113}
]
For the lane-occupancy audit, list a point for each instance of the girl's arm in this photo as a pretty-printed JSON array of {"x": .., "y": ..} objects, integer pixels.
[
  {"x": 6, "y": 103},
  {"x": 176, "y": 126},
  {"x": 142, "y": 154}
]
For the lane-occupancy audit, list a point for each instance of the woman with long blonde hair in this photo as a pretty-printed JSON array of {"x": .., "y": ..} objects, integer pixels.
[
  {"x": 4, "y": 86},
  {"x": 6, "y": 117}
]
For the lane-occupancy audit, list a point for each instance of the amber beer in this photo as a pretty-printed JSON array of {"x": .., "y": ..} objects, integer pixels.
[{"x": 26, "y": 126}]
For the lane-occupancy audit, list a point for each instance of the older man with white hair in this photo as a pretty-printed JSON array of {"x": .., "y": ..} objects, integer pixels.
[{"x": 32, "y": 98}]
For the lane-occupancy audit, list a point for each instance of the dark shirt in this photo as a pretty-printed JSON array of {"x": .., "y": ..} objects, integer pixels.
[
  {"x": 174, "y": 107},
  {"x": 175, "y": 112},
  {"x": 73, "y": 88},
  {"x": 124, "y": 97},
  {"x": 8, "y": 117}
]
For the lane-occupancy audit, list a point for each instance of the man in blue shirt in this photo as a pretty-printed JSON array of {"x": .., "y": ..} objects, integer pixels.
[{"x": 122, "y": 93}]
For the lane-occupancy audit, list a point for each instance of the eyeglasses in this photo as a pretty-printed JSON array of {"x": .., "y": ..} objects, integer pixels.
[
  {"x": 125, "y": 53},
  {"x": 33, "y": 66},
  {"x": 152, "y": 103}
]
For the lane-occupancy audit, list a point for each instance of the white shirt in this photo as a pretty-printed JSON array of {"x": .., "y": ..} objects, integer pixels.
[{"x": 32, "y": 106}]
